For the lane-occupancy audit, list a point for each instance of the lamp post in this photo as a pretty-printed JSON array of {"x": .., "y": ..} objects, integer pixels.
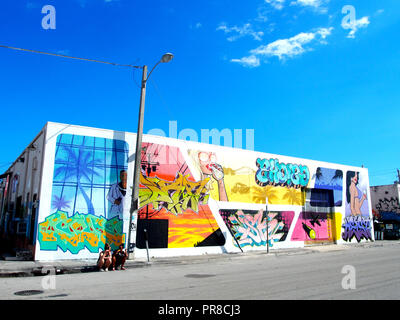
[{"x": 136, "y": 177}]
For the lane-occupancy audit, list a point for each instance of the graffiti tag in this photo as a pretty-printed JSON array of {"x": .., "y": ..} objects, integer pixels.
[
  {"x": 270, "y": 171},
  {"x": 176, "y": 196},
  {"x": 80, "y": 231},
  {"x": 358, "y": 227},
  {"x": 251, "y": 229},
  {"x": 386, "y": 205}
]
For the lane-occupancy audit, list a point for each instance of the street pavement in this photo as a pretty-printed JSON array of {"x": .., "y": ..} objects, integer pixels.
[{"x": 313, "y": 273}]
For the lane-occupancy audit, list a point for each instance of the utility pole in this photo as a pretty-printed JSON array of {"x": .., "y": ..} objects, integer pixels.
[
  {"x": 133, "y": 212},
  {"x": 398, "y": 175},
  {"x": 266, "y": 217},
  {"x": 135, "y": 192}
]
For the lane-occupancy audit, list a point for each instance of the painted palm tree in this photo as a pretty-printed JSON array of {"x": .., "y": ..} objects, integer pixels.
[
  {"x": 338, "y": 175},
  {"x": 318, "y": 174},
  {"x": 82, "y": 166},
  {"x": 60, "y": 203},
  {"x": 260, "y": 194},
  {"x": 295, "y": 196}
]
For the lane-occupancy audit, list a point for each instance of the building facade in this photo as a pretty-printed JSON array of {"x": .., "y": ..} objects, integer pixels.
[
  {"x": 72, "y": 194},
  {"x": 386, "y": 210}
]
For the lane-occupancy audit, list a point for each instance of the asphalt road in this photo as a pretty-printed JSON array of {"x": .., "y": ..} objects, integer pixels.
[{"x": 315, "y": 275}]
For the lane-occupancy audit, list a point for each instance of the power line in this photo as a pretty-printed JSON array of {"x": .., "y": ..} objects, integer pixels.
[{"x": 71, "y": 57}]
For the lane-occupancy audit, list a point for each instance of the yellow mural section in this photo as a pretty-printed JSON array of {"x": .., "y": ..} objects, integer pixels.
[{"x": 243, "y": 188}]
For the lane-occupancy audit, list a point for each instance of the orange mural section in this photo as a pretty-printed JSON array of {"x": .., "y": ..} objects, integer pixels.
[{"x": 173, "y": 203}]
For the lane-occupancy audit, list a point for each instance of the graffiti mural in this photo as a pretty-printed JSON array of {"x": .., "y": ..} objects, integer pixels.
[
  {"x": 175, "y": 196},
  {"x": 249, "y": 227},
  {"x": 357, "y": 227},
  {"x": 357, "y": 222},
  {"x": 173, "y": 204},
  {"x": 272, "y": 172},
  {"x": 88, "y": 191},
  {"x": 206, "y": 164},
  {"x": 330, "y": 179},
  {"x": 356, "y": 195},
  {"x": 80, "y": 231},
  {"x": 388, "y": 205},
  {"x": 312, "y": 226}
]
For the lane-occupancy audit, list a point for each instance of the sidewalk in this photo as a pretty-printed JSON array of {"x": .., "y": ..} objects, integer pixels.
[{"x": 35, "y": 268}]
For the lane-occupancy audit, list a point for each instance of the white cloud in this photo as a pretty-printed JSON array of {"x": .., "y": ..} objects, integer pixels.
[
  {"x": 317, "y": 5},
  {"x": 286, "y": 48},
  {"x": 198, "y": 25},
  {"x": 239, "y": 32},
  {"x": 251, "y": 61},
  {"x": 294, "y": 46},
  {"x": 307, "y": 3},
  {"x": 355, "y": 25},
  {"x": 262, "y": 14},
  {"x": 277, "y": 4}
]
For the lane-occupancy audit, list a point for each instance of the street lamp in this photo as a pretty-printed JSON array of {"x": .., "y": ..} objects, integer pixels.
[
  {"x": 164, "y": 59},
  {"x": 136, "y": 176}
]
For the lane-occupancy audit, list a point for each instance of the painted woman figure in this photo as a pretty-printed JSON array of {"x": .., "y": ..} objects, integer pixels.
[
  {"x": 355, "y": 197},
  {"x": 206, "y": 163}
]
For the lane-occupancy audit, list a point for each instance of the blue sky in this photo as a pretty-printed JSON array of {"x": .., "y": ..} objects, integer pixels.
[{"x": 310, "y": 82}]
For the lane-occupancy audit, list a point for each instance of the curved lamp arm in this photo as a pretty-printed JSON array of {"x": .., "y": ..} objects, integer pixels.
[{"x": 164, "y": 59}]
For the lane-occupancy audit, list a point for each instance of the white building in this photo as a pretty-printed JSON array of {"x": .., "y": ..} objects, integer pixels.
[{"x": 195, "y": 198}]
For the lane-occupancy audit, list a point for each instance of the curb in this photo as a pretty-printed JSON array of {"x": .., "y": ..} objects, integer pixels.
[{"x": 60, "y": 270}]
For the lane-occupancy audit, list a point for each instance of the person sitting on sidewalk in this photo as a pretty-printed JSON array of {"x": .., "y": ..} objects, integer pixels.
[
  {"x": 119, "y": 257},
  {"x": 105, "y": 258}
]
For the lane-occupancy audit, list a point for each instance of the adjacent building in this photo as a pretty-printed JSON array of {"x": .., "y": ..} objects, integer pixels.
[
  {"x": 386, "y": 210},
  {"x": 70, "y": 191}
]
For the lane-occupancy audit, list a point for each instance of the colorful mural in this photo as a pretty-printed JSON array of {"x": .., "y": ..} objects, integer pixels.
[
  {"x": 173, "y": 205},
  {"x": 234, "y": 181},
  {"x": 89, "y": 186},
  {"x": 357, "y": 227},
  {"x": 175, "y": 196},
  {"x": 272, "y": 172},
  {"x": 312, "y": 226},
  {"x": 249, "y": 227},
  {"x": 357, "y": 222},
  {"x": 79, "y": 231},
  {"x": 330, "y": 179}
]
